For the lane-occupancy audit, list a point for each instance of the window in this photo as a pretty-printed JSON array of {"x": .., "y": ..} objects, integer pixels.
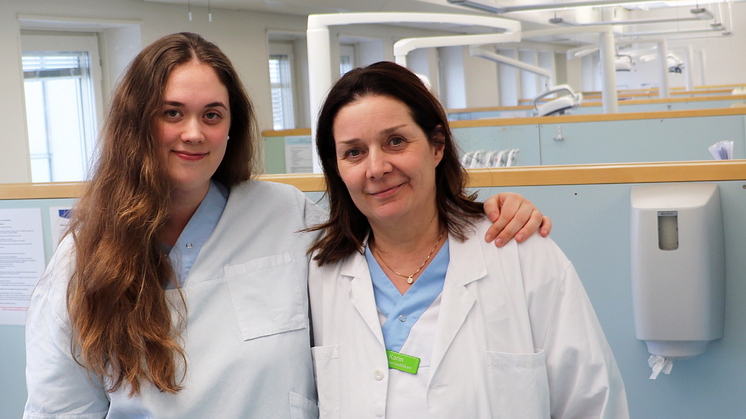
[
  {"x": 280, "y": 77},
  {"x": 61, "y": 111},
  {"x": 346, "y": 58}
]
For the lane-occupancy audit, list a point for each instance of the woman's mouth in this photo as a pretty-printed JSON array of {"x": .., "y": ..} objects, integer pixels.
[
  {"x": 385, "y": 193},
  {"x": 184, "y": 155}
]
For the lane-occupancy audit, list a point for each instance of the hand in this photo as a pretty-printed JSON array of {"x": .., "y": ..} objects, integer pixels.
[{"x": 512, "y": 215}]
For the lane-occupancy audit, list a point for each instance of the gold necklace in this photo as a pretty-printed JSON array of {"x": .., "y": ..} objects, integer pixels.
[{"x": 410, "y": 278}]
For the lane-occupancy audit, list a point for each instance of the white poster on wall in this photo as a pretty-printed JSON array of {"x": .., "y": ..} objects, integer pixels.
[
  {"x": 21, "y": 261},
  {"x": 298, "y": 158}
]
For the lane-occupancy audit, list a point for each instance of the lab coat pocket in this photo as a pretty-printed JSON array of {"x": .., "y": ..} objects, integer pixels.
[
  {"x": 326, "y": 370},
  {"x": 302, "y": 408},
  {"x": 266, "y": 295},
  {"x": 518, "y": 385}
]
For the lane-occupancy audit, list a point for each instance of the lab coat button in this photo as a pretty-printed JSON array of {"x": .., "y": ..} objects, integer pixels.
[
  {"x": 402, "y": 318},
  {"x": 189, "y": 245},
  {"x": 378, "y": 375},
  {"x": 380, "y": 410}
]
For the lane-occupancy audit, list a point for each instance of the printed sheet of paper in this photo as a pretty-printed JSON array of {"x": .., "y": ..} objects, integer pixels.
[
  {"x": 298, "y": 158},
  {"x": 59, "y": 218},
  {"x": 21, "y": 261}
]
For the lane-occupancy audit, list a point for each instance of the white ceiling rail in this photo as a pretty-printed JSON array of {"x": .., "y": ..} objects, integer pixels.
[
  {"x": 319, "y": 46},
  {"x": 699, "y": 14},
  {"x": 606, "y": 45},
  {"x": 495, "y": 8},
  {"x": 478, "y": 51},
  {"x": 405, "y": 46},
  {"x": 718, "y": 28}
]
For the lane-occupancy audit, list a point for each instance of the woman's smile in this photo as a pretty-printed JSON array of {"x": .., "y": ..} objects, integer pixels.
[
  {"x": 385, "y": 193},
  {"x": 190, "y": 156}
]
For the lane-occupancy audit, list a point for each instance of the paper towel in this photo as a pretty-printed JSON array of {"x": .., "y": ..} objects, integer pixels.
[{"x": 659, "y": 364}]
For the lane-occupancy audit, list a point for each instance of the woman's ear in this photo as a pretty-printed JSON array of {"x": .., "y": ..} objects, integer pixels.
[{"x": 438, "y": 143}]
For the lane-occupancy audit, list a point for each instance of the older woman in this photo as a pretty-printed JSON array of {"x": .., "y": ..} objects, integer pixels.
[
  {"x": 414, "y": 315},
  {"x": 180, "y": 291}
]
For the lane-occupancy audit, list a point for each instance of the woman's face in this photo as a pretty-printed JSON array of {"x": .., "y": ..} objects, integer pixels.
[
  {"x": 385, "y": 160},
  {"x": 193, "y": 126}
]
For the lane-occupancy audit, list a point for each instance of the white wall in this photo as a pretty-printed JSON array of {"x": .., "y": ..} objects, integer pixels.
[
  {"x": 15, "y": 165},
  {"x": 481, "y": 82}
]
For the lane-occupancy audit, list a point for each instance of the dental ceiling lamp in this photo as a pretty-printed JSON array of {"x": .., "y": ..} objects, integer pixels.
[{"x": 559, "y": 105}]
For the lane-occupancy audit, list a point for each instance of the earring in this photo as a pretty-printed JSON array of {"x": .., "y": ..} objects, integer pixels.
[{"x": 229, "y": 137}]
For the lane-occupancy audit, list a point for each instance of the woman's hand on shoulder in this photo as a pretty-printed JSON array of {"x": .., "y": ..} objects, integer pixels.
[{"x": 512, "y": 215}]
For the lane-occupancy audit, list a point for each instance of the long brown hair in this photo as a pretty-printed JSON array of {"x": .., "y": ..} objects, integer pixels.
[
  {"x": 347, "y": 226},
  {"x": 120, "y": 315}
]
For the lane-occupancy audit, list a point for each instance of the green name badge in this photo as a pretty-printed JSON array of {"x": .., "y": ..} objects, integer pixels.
[{"x": 402, "y": 362}]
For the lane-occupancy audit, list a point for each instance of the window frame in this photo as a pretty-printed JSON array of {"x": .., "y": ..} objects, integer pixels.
[{"x": 62, "y": 42}]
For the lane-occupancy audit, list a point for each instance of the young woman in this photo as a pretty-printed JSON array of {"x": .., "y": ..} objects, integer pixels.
[
  {"x": 181, "y": 290},
  {"x": 414, "y": 315}
]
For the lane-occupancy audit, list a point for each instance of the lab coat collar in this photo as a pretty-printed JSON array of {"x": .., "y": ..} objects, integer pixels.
[
  {"x": 361, "y": 294},
  {"x": 466, "y": 265}
]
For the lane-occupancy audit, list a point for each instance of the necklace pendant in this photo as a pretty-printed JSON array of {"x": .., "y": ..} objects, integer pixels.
[{"x": 410, "y": 280}]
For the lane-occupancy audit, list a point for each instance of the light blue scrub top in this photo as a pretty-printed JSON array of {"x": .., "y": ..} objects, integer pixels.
[
  {"x": 403, "y": 311},
  {"x": 197, "y": 231}
]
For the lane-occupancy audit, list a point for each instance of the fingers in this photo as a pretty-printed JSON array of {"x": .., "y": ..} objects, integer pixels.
[
  {"x": 512, "y": 213},
  {"x": 524, "y": 223},
  {"x": 546, "y": 226},
  {"x": 512, "y": 216},
  {"x": 492, "y": 208}
]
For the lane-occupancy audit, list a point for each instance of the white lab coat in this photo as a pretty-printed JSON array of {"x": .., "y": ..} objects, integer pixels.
[
  {"x": 247, "y": 338},
  {"x": 516, "y": 337}
]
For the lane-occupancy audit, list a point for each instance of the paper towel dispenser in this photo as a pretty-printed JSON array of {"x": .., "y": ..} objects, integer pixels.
[{"x": 678, "y": 269}]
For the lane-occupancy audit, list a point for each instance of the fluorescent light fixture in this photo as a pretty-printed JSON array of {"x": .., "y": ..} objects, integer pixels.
[{"x": 494, "y": 8}]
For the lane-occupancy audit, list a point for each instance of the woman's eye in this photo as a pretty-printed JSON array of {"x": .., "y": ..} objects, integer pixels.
[
  {"x": 172, "y": 113},
  {"x": 212, "y": 116},
  {"x": 352, "y": 153},
  {"x": 397, "y": 141}
]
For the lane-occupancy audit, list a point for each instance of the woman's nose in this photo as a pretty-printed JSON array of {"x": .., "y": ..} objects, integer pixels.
[
  {"x": 378, "y": 165},
  {"x": 192, "y": 132}
]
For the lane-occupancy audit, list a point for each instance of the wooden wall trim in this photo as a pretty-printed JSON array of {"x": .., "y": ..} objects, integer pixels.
[
  {"x": 286, "y": 132},
  {"x": 626, "y": 116},
  {"x": 41, "y": 190},
  {"x": 598, "y": 103},
  {"x": 694, "y": 171}
]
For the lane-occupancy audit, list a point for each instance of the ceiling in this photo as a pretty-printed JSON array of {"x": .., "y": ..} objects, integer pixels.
[{"x": 678, "y": 11}]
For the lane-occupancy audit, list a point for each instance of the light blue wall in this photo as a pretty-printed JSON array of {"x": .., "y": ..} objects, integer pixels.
[
  {"x": 591, "y": 224},
  {"x": 640, "y": 140}
]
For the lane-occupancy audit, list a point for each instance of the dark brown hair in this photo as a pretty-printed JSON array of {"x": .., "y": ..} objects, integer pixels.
[
  {"x": 347, "y": 226},
  {"x": 120, "y": 315}
]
